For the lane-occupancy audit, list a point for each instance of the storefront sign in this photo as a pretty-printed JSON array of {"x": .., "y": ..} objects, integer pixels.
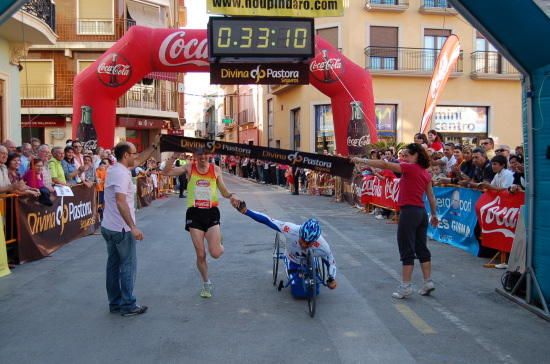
[
  {"x": 140, "y": 123},
  {"x": 385, "y": 119},
  {"x": 498, "y": 214},
  {"x": 260, "y": 74},
  {"x": 322, "y": 163},
  {"x": 457, "y": 219},
  {"x": 44, "y": 229},
  {"x": 301, "y": 8},
  {"x": 460, "y": 119},
  {"x": 42, "y": 122},
  {"x": 380, "y": 192}
]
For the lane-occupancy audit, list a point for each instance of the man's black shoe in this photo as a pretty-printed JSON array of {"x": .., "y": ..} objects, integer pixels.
[
  {"x": 136, "y": 311},
  {"x": 295, "y": 193}
]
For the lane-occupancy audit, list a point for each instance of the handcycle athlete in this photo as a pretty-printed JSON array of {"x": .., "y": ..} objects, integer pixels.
[{"x": 298, "y": 239}]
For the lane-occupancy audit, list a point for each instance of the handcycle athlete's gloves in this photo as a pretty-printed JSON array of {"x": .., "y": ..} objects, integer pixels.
[
  {"x": 331, "y": 283},
  {"x": 242, "y": 207}
]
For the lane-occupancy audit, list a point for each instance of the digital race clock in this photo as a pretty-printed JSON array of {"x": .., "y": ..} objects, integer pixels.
[{"x": 238, "y": 37}]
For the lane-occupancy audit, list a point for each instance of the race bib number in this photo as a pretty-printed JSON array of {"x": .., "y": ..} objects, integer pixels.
[{"x": 203, "y": 195}]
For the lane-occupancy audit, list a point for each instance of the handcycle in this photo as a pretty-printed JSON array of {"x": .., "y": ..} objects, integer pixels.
[{"x": 311, "y": 273}]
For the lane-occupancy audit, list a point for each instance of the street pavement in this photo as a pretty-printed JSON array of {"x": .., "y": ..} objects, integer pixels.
[{"x": 55, "y": 310}]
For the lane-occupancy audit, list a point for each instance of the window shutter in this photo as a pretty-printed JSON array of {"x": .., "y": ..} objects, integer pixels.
[
  {"x": 386, "y": 39},
  {"x": 437, "y": 32},
  {"x": 95, "y": 9},
  {"x": 330, "y": 35}
]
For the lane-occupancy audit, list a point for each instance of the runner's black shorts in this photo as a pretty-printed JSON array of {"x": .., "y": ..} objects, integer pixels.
[{"x": 202, "y": 219}]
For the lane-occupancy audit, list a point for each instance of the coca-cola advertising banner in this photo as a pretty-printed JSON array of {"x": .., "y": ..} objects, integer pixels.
[
  {"x": 144, "y": 50},
  {"x": 498, "y": 214},
  {"x": 44, "y": 229},
  {"x": 260, "y": 74},
  {"x": 336, "y": 166},
  {"x": 380, "y": 192},
  {"x": 457, "y": 218}
]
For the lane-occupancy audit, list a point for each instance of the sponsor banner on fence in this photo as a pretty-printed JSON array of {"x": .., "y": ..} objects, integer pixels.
[
  {"x": 259, "y": 74},
  {"x": 318, "y": 162},
  {"x": 301, "y": 8},
  {"x": 380, "y": 192},
  {"x": 44, "y": 229},
  {"x": 457, "y": 218},
  {"x": 498, "y": 214}
]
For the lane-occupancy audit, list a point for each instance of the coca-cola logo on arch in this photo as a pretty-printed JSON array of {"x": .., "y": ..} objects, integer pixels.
[
  {"x": 114, "y": 70},
  {"x": 327, "y": 67}
]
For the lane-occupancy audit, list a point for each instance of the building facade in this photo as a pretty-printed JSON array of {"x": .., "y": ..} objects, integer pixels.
[
  {"x": 398, "y": 42},
  {"x": 240, "y": 113},
  {"x": 34, "y": 23},
  {"x": 86, "y": 29}
]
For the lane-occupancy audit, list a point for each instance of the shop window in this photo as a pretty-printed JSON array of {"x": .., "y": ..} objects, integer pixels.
[
  {"x": 37, "y": 79},
  {"x": 330, "y": 35},
  {"x": 324, "y": 129},
  {"x": 383, "y": 48},
  {"x": 386, "y": 116},
  {"x": 95, "y": 16}
]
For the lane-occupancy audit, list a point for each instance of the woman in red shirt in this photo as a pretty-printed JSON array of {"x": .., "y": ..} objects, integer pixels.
[
  {"x": 435, "y": 141},
  {"x": 413, "y": 219}
]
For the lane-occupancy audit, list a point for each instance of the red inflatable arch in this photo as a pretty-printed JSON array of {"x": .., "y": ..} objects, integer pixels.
[{"x": 142, "y": 50}]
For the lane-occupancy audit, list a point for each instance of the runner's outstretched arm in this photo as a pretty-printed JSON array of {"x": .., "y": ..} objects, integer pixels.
[{"x": 261, "y": 218}]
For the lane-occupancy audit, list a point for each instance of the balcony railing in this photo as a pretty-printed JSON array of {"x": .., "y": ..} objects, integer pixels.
[
  {"x": 387, "y": 5},
  {"x": 95, "y": 26},
  {"x": 492, "y": 65},
  {"x": 437, "y": 7},
  {"x": 37, "y": 92},
  {"x": 43, "y": 10},
  {"x": 400, "y": 60},
  {"x": 436, "y": 4},
  {"x": 152, "y": 99}
]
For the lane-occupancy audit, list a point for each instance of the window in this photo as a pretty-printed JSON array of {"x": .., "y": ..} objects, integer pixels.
[
  {"x": 95, "y": 17},
  {"x": 330, "y": 35},
  {"x": 383, "y": 44},
  {"x": 36, "y": 79},
  {"x": 324, "y": 129},
  {"x": 486, "y": 57},
  {"x": 436, "y": 4},
  {"x": 270, "y": 122},
  {"x": 83, "y": 64},
  {"x": 295, "y": 137},
  {"x": 433, "y": 42},
  {"x": 385, "y": 120}
]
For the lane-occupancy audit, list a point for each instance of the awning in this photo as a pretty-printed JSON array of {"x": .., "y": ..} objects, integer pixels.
[
  {"x": 166, "y": 76},
  {"x": 145, "y": 15}
]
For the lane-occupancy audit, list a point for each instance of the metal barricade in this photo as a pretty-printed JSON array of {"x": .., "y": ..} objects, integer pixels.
[{"x": 8, "y": 213}]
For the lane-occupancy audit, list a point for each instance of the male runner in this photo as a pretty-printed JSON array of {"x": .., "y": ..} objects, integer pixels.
[
  {"x": 202, "y": 218},
  {"x": 298, "y": 239}
]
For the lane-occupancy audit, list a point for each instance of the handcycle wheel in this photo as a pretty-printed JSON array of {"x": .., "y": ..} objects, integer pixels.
[
  {"x": 276, "y": 252},
  {"x": 311, "y": 282}
]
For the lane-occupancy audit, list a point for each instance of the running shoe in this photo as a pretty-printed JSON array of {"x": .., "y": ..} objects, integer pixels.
[
  {"x": 403, "y": 291},
  {"x": 427, "y": 288},
  {"x": 206, "y": 291}
]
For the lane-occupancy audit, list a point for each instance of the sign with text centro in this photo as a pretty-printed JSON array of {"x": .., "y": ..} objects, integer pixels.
[
  {"x": 259, "y": 74},
  {"x": 302, "y": 8}
]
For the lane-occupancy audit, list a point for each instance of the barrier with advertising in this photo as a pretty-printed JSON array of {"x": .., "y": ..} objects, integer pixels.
[
  {"x": 44, "y": 229},
  {"x": 498, "y": 214},
  {"x": 380, "y": 192},
  {"x": 457, "y": 220}
]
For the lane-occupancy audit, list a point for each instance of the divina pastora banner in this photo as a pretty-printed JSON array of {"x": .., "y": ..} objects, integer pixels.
[
  {"x": 457, "y": 218},
  {"x": 43, "y": 230},
  {"x": 318, "y": 162}
]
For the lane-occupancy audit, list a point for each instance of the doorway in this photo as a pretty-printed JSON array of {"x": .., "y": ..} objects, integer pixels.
[{"x": 140, "y": 138}]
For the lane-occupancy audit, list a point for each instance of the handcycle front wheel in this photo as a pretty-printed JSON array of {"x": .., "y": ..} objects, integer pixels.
[
  {"x": 310, "y": 283},
  {"x": 276, "y": 253}
]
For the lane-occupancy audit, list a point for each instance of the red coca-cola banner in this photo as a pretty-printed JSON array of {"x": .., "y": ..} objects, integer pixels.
[
  {"x": 497, "y": 214},
  {"x": 381, "y": 192},
  {"x": 143, "y": 50}
]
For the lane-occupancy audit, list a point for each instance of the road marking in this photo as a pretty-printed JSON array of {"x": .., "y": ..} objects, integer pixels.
[
  {"x": 351, "y": 260},
  {"x": 414, "y": 319},
  {"x": 485, "y": 343}
]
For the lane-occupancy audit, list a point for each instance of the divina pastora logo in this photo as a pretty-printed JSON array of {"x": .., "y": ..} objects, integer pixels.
[{"x": 115, "y": 70}]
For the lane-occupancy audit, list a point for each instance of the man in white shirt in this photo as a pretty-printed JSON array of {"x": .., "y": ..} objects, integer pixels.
[
  {"x": 503, "y": 178},
  {"x": 119, "y": 229},
  {"x": 448, "y": 160}
]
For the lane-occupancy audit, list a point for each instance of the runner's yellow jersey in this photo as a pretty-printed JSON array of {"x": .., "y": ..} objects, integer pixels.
[{"x": 202, "y": 191}]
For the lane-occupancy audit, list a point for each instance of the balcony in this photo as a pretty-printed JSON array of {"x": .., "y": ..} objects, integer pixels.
[
  {"x": 95, "y": 26},
  {"x": 396, "y": 6},
  {"x": 34, "y": 23},
  {"x": 401, "y": 61},
  {"x": 492, "y": 66},
  {"x": 437, "y": 7},
  {"x": 37, "y": 92},
  {"x": 149, "y": 101}
]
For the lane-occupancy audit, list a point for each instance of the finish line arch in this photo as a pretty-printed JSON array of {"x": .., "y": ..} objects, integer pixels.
[{"x": 143, "y": 50}]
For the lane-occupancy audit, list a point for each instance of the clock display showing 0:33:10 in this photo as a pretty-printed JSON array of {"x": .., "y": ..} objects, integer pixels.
[{"x": 261, "y": 38}]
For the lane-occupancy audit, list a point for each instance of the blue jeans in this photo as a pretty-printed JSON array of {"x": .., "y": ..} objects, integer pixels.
[{"x": 121, "y": 269}]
